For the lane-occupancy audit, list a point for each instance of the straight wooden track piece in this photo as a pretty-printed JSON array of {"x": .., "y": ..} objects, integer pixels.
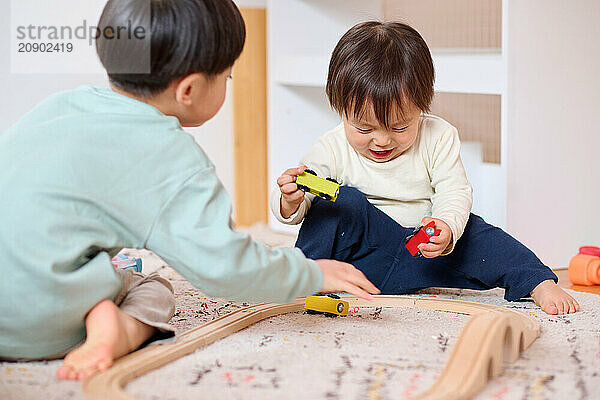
[{"x": 493, "y": 335}]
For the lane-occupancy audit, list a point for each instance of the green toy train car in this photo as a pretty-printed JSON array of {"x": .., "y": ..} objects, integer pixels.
[{"x": 327, "y": 189}]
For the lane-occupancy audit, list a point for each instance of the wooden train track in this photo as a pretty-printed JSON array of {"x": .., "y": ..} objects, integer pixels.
[{"x": 491, "y": 336}]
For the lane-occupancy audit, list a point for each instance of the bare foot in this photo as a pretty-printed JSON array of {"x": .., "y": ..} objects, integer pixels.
[
  {"x": 552, "y": 299},
  {"x": 110, "y": 334}
]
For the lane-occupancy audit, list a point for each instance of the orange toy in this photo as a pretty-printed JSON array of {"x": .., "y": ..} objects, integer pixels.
[{"x": 584, "y": 268}]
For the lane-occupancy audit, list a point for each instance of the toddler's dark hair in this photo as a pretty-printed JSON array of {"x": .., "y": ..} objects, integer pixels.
[
  {"x": 186, "y": 36},
  {"x": 380, "y": 64}
]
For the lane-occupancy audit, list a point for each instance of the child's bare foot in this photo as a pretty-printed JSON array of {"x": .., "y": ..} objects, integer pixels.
[
  {"x": 552, "y": 299},
  {"x": 111, "y": 334}
]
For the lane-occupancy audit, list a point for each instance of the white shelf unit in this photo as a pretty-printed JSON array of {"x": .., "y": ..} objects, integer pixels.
[
  {"x": 301, "y": 37},
  {"x": 455, "y": 72}
]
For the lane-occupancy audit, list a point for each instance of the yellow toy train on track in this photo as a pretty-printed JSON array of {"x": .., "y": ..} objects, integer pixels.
[
  {"x": 328, "y": 304},
  {"x": 327, "y": 189}
]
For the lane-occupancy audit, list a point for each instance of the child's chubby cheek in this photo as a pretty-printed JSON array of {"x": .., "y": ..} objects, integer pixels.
[
  {"x": 358, "y": 142},
  {"x": 406, "y": 141}
]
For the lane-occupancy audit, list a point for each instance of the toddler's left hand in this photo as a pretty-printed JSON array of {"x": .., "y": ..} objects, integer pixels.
[{"x": 437, "y": 244}]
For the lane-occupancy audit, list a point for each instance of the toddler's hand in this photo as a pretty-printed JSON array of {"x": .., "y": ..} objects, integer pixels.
[
  {"x": 437, "y": 244},
  {"x": 341, "y": 276},
  {"x": 291, "y": 196}
]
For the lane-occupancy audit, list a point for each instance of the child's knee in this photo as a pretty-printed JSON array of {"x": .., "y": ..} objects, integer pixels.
[
  {"x": 163, "y": 281},
  {"x": 351, "y": 203},
  {"x": 352, "y": 196},
  {"x": 165, "y": 293}
]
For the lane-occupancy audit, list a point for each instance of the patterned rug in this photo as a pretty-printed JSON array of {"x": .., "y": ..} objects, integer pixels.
[{"x": 373, "y": 353}]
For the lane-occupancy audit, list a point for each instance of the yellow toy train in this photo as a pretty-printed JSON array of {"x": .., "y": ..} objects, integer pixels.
[
  {"x": 328, "y": 304},
  {"x": 327, "y": 189}
]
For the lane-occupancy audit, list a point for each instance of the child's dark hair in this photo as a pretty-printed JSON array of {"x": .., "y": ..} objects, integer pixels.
[
  {"x": 384, "y": 65},
  {"x": 186, "y": 36}
]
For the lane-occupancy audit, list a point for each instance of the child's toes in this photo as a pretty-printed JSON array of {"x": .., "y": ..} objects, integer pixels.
[
  {"x": 85, "y": 374},
  {"x": 550, "y": 309},
  {"x": 569, "y": 307},
  {"x": 559, "y": 307},
  {"x": 72, "y": 375},
  {"x": 566, "y": 306},
  {"x": 573, "y": 306},
  {"x": 62, "y": 372},
  {"x": 66, "y": 372}
]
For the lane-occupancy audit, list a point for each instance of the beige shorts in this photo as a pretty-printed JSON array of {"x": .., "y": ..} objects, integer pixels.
[{"x": 147, "y": 298}]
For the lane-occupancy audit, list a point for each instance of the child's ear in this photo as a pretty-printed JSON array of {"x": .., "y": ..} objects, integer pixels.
[{"x": 187, "y": 86}]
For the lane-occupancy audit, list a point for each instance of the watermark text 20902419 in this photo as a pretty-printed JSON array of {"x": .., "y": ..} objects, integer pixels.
[{"x": 44, "y": 47}]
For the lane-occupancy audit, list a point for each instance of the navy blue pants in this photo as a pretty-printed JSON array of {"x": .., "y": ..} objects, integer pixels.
[{"x": 353, "y": 230}]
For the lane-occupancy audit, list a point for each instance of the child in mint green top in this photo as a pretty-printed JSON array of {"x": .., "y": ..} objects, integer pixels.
[{"x": 90, "y": 171}]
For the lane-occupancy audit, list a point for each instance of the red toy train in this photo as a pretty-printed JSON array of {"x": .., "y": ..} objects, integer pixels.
[{"x": 420, "y": 235}]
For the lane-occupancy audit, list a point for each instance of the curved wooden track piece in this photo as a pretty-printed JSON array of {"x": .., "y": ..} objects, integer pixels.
[{"x": 493, "y": 335}]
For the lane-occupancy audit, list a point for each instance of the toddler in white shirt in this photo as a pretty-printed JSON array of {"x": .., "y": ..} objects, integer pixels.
[{"x": 400, "y": 168}]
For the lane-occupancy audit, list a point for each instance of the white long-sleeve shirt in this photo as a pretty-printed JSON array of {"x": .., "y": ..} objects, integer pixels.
[{"x": 426, "y": 180}]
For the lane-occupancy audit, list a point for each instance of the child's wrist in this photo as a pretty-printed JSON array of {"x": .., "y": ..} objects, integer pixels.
[{"x": 286, "y": 210}]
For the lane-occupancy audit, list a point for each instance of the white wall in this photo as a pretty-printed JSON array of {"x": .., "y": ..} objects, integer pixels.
[
  {"x": 216, "y": 138},
  {"x": 20, "y": 92},
  {"x": 553, "y": 142},
  {"x": 251, "y": 3}
]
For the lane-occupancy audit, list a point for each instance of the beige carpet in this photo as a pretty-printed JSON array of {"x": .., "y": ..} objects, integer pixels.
[{"x": 374, "y": 353}]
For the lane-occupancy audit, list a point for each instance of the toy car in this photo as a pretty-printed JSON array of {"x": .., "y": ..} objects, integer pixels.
[
  {"x": 329, "y": 304},
  {"x": 327, "y": 189},
  {"x": 421, "y": 234}
]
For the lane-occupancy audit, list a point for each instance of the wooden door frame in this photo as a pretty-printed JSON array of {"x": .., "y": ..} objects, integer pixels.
[{"x": 250, "y": 122}]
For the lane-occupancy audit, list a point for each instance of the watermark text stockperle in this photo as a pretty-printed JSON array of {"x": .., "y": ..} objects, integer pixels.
[{"x": 52, "y": 38}]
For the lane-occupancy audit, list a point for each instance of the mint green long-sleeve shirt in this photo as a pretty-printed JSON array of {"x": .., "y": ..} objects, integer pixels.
[{"x": 88, "y": 172}]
